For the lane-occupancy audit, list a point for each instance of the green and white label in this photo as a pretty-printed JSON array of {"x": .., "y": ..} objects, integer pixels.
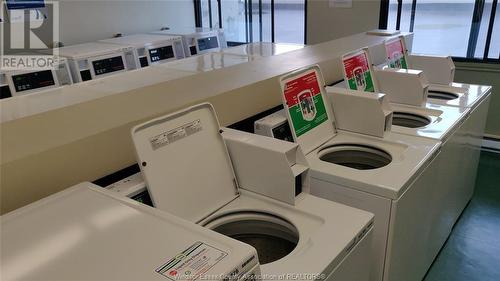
[
  {"x": 357, "y": 71},
  {"x": 304, "y": 102},
  {"x": 396, "y": 57}
]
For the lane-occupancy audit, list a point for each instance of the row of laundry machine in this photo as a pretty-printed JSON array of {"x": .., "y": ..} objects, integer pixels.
[
  {"x": 409, "y": 157},
  {"x": 52, "y": 97},
  {"x": 353, "y": 185},
  {"x": 219, "y": 214},
  {"x": 88, "y": 61}
]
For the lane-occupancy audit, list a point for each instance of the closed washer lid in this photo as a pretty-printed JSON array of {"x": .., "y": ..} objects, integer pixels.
[
  {"x": 308, "y": 111},
  {"x": 185, "y": 162}
]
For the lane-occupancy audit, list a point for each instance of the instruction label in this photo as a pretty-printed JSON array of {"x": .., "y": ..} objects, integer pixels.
[
  {"x": 304, "y": 102},
  {"x": 395, "y": 50},
  {"x": 176, "y": 134},
  {"x": 357, "y": 71},
  {"x": 192, "y": 262}
]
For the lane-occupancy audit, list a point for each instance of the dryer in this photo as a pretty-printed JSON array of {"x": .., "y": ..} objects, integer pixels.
[
  {"x": 198, "y": 40},
  {"x": 151, "y": 49},
  {"x": 372, "y": 169},
  {"x": 253, "y": 189},
  {"x": 96, "y": 60},
  {"x": 23, "y": 82},
  {"x": 86, "y": 233}
]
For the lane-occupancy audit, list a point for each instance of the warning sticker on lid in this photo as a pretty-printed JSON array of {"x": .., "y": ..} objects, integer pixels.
[
  {"x": 192, "y": 263},
  {"x": 304, "y": 102},
  {"x": 395, "y": 50},
  {"x": 176, "y": 134},
  {"x": 357, "y": 71}
]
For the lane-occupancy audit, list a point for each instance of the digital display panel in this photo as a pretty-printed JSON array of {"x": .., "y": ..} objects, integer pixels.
[
  {"x": 108, "y": 65},
  {"x": 161, "y": 53},
  {"x": 33, "y": 80},
  {"x": 208, "y": 43},
  {"x": 24, "y": 4}
]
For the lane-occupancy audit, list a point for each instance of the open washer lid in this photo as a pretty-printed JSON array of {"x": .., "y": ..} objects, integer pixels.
[
  {"x": 307, "y": 110},
  {"x": 185, "y": 162}
]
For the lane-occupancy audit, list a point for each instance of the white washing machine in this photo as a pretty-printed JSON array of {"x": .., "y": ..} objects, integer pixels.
[
  {"x": 23, "y": 82},
  {"x": 198, "y": 40},
  {"x": 96, "y": 60},
  {"x": 206, "y": 62},
  {"x": 441, "y": 123},
  {"x": 439, "y": 89},
  {"x": 151, "y": 49},
  {"x": 440, "y": 73},
  {"x": 262, "y": 49},
  {"x": 415, "y": 87},
  {"x": 253, "y": 189},
  {"x": 477, "y": 99},
  {"x": 389, "y": 175},
  {"x": 86, "y": 233}
]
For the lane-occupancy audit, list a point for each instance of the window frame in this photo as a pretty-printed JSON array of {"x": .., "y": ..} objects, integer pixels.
[
  {"x": 475, "y": 28},
  {"x": 249, "y": 20}
]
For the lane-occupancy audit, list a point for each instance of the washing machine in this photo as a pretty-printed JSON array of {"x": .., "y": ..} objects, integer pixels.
[
  {"x": 440, "y": 73},
  {"x": 262, "y": 49},
  {"x": 439, "y": 89},
  {"x": 367, "y": 167},
  {"x": 419, "y": 88},
  {"x": 86, "y": 233},
  {"x": 96, "y": 60},
  {"x": 476, "y": 98},
  {"x": 441, "y": 123},
  {"x": 23, "y": 82},
  {"x": 253, "y": 189},
  {"x": 151, "y": 49},
  {"x": 206, "y": 62},
  {"x": 198, "y": 40}
]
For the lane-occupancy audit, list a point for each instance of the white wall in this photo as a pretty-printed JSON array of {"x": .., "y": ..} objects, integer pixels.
[
  {"x": 90, "y": 20},
  {"x": 326, "y": 23}
]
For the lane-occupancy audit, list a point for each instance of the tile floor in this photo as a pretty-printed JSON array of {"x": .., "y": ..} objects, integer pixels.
[{"x": 472, "y": 253}]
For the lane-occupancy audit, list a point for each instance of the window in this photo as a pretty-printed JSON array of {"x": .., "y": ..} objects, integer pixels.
[
  {"x": 289, "y": 22},
  {"x": 494, "y": 51},
  {"x": 464, "y": 29},
  {"x": 254, "y": 20}
]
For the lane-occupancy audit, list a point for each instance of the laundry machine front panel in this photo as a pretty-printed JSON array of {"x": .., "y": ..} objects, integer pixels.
[{"x": 379, "y": 206}]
